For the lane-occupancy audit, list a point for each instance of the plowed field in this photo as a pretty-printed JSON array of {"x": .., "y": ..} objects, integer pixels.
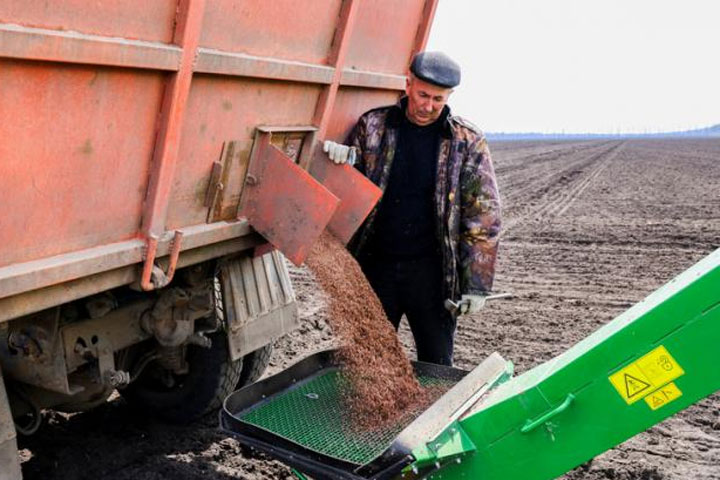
[{"x": 590, "y": 228}]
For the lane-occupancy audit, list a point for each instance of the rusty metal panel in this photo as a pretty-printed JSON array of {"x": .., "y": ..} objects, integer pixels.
[
  {"x": 353, "y": 102},
  {"x": 258, "y": 299},
  {"x": 172, "y": 114},
  {"x": 22, "y": 277},
  {"x": 222, "y": 242},
  {"x": 283, "y": 202},
  {"x": 286, "y": 29},
  {"x": 388, "y": 81},
  {"x": 384, "y": 38},
  {"x": 234, "y": 167},
  {"x": 222, "y": 109},
  {"x": 76, "y": 144},
  {"x": 336, "y": 57},
  {"x": 357, "y": 195},
  {"x": 79, "y": 141},
  {"x": 424, "y": 25},
  {"x": 53, "y": 46},
  {"x": 243, "y": 65},
  {"x": 134, "y": 19}
]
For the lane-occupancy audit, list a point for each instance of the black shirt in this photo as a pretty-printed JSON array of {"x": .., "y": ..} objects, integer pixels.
[{"x": 405, "y": 226}]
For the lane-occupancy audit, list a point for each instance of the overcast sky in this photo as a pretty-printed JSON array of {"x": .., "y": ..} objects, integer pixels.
[{"x": 583, "y": 66}]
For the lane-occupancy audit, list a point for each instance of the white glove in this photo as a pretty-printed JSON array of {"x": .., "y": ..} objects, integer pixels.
[
  {"x": 339, "y": 153},
  {"x": 471, "y": 304}
]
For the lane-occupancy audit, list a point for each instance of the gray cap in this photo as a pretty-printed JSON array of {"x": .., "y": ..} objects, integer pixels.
[{"x": 436, "y": 68}]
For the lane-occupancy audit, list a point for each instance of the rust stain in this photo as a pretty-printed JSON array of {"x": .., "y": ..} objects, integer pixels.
[
  {"x": 201, "y": 186},
  {"x": 87, "y": 147},
  {"x": 227, "y": 105}
]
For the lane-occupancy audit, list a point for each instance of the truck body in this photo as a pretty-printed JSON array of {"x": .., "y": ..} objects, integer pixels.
[{"x": 134, "y": 252}]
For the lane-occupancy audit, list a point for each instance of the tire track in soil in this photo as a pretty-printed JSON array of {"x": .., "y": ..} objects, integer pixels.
[
  {"x": 528, "y": 180},
  {"x": 514, "y": 160},
  {"x": 564, "y": 203},
  {"x": 514, "y": 171},
  {"x": 552, "y": 194}
]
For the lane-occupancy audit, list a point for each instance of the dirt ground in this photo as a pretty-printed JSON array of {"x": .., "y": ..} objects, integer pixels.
[{"x": 590, "y": 228}]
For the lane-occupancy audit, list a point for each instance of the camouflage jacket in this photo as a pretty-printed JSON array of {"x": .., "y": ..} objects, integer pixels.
[{"x": 467, "y": 202}]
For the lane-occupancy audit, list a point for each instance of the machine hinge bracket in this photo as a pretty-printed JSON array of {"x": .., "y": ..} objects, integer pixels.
[{"x": 152, "y": 275}]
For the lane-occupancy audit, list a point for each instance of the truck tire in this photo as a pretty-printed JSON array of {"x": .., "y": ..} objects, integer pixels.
[
  {"x": 254, "y": 365},
  {"x": 211, "y": 378}
]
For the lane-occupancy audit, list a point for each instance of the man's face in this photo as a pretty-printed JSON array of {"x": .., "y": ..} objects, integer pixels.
[{"x": 425, "y": 101}]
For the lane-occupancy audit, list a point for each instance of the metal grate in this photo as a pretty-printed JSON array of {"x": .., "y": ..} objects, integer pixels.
[{"x": 312, "y": 414}]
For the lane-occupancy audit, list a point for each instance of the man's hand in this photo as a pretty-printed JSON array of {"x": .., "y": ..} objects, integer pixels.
[
  {"x": 471, "y": 303},
  {"x": 339, "y": 153}
]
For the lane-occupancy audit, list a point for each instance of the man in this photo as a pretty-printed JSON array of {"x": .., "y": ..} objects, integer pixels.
[{"x": 434, "y": 234}]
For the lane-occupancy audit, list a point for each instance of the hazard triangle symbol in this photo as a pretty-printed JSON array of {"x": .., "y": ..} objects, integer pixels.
[{"x": 634, "y": 385}]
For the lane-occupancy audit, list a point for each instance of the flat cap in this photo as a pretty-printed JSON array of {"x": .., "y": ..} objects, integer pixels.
[{"x": 436, "y": 68}]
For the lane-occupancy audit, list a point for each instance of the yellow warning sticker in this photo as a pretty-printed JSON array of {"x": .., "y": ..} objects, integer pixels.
[
  {"x": 646, "y": 375},
  {"x": 663, "y": 396}
]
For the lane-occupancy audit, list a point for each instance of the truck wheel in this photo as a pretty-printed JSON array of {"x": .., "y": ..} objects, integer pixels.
[
  {"x": 212, "y": 376},
  {"x": 254, "y": 365}
]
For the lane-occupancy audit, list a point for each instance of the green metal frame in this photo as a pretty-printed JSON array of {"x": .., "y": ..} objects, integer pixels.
[
  {"x": 299, "y": 475},
  {"x": 562, "y": 413}
]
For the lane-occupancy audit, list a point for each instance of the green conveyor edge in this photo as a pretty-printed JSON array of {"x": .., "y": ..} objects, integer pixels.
[{"x": 650, "y": 362}]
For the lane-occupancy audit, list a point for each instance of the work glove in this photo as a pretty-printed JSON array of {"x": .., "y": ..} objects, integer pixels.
[
  {"x": 339, "y": 153},
  {"x": 471, "y": 303}
]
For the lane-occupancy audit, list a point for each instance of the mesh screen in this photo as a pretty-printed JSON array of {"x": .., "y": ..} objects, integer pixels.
[{"x": 313, "y": 415}]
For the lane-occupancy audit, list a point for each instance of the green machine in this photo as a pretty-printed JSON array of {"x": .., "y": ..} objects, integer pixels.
[{"x": 649, "y": 363}]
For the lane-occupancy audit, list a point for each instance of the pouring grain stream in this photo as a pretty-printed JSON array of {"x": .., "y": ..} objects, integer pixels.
[{"x": 382, "y": 383}]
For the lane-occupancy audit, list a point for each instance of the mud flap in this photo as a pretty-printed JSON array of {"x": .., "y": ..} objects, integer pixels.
[
  {"x": 9, "y": 460},
  {"x": 283, "y": 202},
  {"x": 258, "y": 301}
]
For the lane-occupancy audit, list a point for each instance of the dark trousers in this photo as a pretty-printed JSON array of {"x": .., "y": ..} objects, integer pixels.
[{"x": 415, "y": 288}]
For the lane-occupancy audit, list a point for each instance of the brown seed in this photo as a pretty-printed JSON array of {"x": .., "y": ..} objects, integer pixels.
[{"x": 382, "y": 384}]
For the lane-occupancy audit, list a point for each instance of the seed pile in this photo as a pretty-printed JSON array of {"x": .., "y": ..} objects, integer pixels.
[{"x": 382, "y": 383}]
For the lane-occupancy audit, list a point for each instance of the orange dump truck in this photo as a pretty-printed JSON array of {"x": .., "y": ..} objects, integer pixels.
[{"x": 154, "y": 161}]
